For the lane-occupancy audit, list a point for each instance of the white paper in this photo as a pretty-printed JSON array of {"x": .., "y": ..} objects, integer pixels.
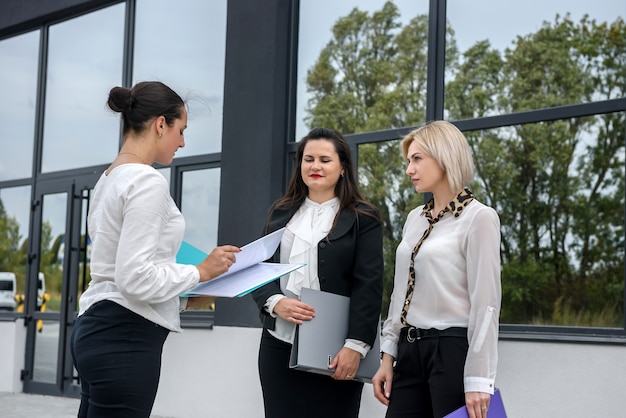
[
  {"x": 248, "y": 272},
  {"x": 244, "y": 281}
]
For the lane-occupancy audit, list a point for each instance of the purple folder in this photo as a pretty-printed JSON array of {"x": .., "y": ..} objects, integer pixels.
[{"x": 496, "y": 408}]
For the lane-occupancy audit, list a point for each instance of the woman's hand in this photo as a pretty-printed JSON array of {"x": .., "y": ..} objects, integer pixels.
[
  {"x": 382, "y": 380},
  {"x": 477, "y": 404},
  {"x": 292, "y": 310},
  {"x": 218, "y": 262},
  {"x": 345, "y": 363}
]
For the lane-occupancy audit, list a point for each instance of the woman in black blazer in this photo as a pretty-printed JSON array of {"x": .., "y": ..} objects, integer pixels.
[{"x": 338, "y": 235}]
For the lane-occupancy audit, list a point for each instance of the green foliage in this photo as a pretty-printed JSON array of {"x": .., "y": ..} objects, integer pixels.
[
  {"x": 371, "y": 76},
  {"x": 557, "y": 185}
]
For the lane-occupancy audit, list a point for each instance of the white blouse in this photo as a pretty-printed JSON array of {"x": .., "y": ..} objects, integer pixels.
[
  {"x": 136, "y": 230},
  {"x": 304, "y": 231},
  {"x": 457, "y": 284}
]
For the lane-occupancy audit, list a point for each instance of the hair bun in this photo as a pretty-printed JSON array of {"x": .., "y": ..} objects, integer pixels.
[{"x": 120, "y": 99}]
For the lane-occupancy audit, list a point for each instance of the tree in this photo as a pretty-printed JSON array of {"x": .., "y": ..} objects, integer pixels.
[
  {"x": 371, "y": 76},
  {"x": 10, "y": 255},
  {"x": 555, "y": 184}
]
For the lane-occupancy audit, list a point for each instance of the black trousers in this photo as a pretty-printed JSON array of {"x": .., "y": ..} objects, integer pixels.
[
  {"x": 428, "y": 375},
  {"x": 117, "y": 354},
  {"x": 289, "y": 393}
]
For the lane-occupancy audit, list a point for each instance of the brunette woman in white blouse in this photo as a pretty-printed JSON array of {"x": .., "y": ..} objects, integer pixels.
[
  {"x": 339, "y": 237},
  {"x": 132, "y": 301},
  {"x": 442, "y": 327}
]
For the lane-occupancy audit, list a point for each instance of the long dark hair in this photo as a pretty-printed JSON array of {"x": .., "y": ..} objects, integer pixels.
[{"x": 346, "y": 189}]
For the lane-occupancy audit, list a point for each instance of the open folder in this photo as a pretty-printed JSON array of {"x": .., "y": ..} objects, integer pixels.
[
  {"x": 496, "y": 408},
  {"x": 246, "y": 274},
  {"x": 317, "y": 341}
]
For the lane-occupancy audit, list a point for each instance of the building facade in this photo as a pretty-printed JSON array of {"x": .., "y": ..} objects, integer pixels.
[{"x": 539, "y": 93}]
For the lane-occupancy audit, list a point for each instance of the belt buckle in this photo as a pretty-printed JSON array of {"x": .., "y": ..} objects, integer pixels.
[{"x": 410, "y": 338}]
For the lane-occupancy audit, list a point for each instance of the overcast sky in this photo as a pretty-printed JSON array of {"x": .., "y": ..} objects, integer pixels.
[{"x": 498, "y": 21}]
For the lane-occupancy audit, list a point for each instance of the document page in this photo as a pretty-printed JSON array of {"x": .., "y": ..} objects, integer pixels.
[{"x": 246, "y": 274}]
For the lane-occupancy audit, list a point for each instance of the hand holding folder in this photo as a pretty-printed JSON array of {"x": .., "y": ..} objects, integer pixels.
[
  {"x": 496, "y": 408},
  {"x": 246, "y": 274},
  {"x": 318, "y": 340}
]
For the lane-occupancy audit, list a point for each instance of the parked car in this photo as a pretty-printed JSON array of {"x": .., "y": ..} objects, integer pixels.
[
  {"x": 7, "y": 290},
  {"x": 41, "y": 290}
]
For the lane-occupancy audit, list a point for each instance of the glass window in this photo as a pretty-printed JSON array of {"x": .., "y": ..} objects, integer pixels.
[
  {"x": 52, "y": 251},
  {"x": 383, "y": 182},
  {"x": 84, "y": 63},
  {"x": 14, "y": 224},
  {"x": 349, "y": 75},
  {"x": 200, "y": 202},
  {"x": 18, "y": 84},
  {"x": 183, "y": 44},
  {"x": 569, "y": 44},
  {"x": 559, "y": 190}
]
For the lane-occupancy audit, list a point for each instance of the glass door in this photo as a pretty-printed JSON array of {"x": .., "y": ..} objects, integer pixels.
[{"x": 57, "y": 274}]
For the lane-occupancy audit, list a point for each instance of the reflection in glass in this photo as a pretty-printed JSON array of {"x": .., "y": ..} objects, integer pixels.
[
  {"x": 84, "y": 63},
  {"x": 52, "y": 247},
  {"x": 344, "y": 95},
  {"x": 14, "y": 218},
  {"x": 559, "y": 190},
  {"x": 85, "y": 250},
  {"x": 46, "y": 343},
  {"x": 18, "y": 84},
  {"x": 384, "y": 183},
  {"x": 574, "y": 60},
  {"x": 200, "y": 207},
  {"x": 189, "y": 59}
]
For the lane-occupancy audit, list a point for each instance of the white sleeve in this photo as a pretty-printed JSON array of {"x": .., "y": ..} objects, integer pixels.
[
  {"x": 139, "y": 272},
  {"x": 484, "y": 286}
]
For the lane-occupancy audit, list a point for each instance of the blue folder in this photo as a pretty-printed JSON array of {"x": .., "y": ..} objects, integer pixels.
[{"x": 496, "y": 408}]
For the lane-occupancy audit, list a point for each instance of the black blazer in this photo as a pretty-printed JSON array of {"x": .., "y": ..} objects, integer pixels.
[{"x": 350, "y": 263}]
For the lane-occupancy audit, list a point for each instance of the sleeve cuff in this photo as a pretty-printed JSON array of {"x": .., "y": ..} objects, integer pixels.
[
  {"x": 271, "y": 303},
  {"x": 389, "y": 347},
  {"x": 358, "y": 346},
  {"x": 479, "y": 384}
]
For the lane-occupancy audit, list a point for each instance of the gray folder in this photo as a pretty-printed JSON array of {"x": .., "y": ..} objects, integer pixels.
[{"x": 318, "y": 340}]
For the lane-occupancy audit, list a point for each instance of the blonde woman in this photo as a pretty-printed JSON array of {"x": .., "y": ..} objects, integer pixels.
[{"x": 439, "y": 344}]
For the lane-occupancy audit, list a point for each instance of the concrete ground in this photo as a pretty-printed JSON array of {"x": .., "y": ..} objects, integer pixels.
[
  {"x": 23, "y": 405},
  {"x": 18, "y": 405}
]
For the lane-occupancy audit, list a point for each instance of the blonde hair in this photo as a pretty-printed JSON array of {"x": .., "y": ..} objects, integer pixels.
[{"x": 445, "y": 143}]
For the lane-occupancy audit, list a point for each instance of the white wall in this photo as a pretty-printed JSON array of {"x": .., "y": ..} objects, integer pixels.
[
  {"x": 213, "y": 373},
  {"x": 12, "y": 348}
]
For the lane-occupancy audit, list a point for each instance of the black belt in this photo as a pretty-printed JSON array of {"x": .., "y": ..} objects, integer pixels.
[{"x": 413, "y": 334}]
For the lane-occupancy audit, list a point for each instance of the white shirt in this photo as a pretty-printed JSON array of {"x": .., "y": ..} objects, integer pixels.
[
  {"x": 136, "y": 231},
  {"x": 457, "y": 284}
]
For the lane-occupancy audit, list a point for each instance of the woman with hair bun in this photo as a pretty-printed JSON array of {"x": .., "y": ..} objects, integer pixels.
[{"x": 132, "y": 302}]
